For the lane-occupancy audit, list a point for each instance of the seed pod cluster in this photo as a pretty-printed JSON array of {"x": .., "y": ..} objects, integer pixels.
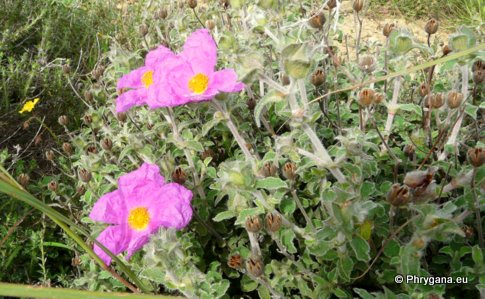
[
  {"x": 478, "y": 70},
  {"x": 398, "y": 195},
  {"x": 476, "y": 156},
  {"x": 436, "y": 100},
  {"x": 67, "y": 148},
  {"x": 454, "y": 99},
  {"x": 84, "y": 175},
  {"x": 268, "y": 169},
  {"x": 253, "y": 224},
  {"x": 318, "y": 77},
  {"x": 107, "y": 144},
  {"x": 366, "y": 96},
  {"x": 273, "y": 222},
  {"x": 255, "y": 266},
  {"x": 289, "y": 171},
  {"x": 235, "y": 261}
]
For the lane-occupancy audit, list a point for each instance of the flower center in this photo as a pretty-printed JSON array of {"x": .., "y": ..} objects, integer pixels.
[
  {"x": 198, "y": 84},
  {"x": 147, "y": 79},
  {"x": 139, "y": 218}
]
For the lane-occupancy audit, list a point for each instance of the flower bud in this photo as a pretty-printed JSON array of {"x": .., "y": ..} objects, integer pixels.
[
  {"x": 67, "y": 148},
  {"x": 251, "y": 103},
  {"x": 143, "y": 29},
  {"x": 317, "y": 20},
  {"x": 162, "y": 13},
  {"x": 192, "y": 3},
  {"x": 273, "y": 222},
  {"x": 358, "y": 5},
  {"x": 88, "y": 119},
  {"x": 366, "y": 96},
  {"x": 418, "y": 178},
  {"x": 476, "y": 156},
  {"x": 318, "y": 77},
  {"x": 431, "y": 26},
  {"x": 409, "y": 151},
  {"x": 210, "y": 24},
  {"x": 235, "y": 261},
  {"x": 66, "y": 69},
  {"x": 179, "y": 176},
  {"x": 454, "y": 99},
  {"x": 388, "y": 29},
  {"x": 268, "y": 169},
  {"x": 63, "y": 120},
  {"x": 478, "y": 76},
  {"x": 106, "y": 144},
  {"x": 437, "y": 100},
  {"x": 446, "y": 50},
  {"x": 52, "y": 185},
  {"x": 424, "y": 89},
  {"x": 367, "y": 64},
  {"x": 285, "y": 80},
  {"x": 49, "y": 155},
  {"x": 121, "y": 116},
  {"x": 398, "y": 195},
  {"x": 23, "y": 179},
  {"x": 289, "y": 170},
  {"x": 253, "y": 224},
  {"x": 332, "y": 4},
  {"x": 84, "y": 175},
  {"x": 255, "y": 266}
]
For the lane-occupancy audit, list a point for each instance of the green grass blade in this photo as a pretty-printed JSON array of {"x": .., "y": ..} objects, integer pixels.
[{"x": 19, "y": 290}]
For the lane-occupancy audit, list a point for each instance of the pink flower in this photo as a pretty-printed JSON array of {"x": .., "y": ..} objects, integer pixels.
[
  {"x": 179, "y": 79},
  {"x": 138, "y": 208}
]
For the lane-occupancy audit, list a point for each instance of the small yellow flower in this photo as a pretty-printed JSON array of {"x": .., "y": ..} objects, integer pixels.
[{"x": 29, "y": 106}]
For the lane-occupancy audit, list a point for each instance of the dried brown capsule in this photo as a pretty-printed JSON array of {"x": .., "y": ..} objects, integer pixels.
[
  {"x": 107, "y": 144},
  {"x": 366, "y": 96},
  {"x": 367, "y": 64},
  {"x": 23, "y": 179},
  {"x": 208, "y": 153},
  {"x": 84, "y": 175},
  {"x": 88, "y": 96},
  {"x": 66, "y": 69},
  {"x": 225, "y": 3},
  {"x": 469, "y": 231},
  {"x": 478, "y": 76},
  {"x": 67, "y": 148},
  {"x": 91, "y": 149},
  {"x": 318, "y": 77},
  {"x": 192, "y": 3},
  {"x": 378, "y": 98},
  {"x": 454, "y": 99},
  {"x": 253, "y": 224},
  {"x": 418, "y": 178},
  {"x": 478, "y": 65},
  {"x": 268, "y": 169},
  {"x": 409, "y": 151},
  {"x": 436, "y": 100},
  {"x": 285, "y": 80},
  {"x": 255, "y": 266},
  {"x": 80, "y": 190},
  {"x": 424, "y": 89},
  {"x": 273, "y": 222},
  {"x": 317, "y": 20},
  {"x": 49, "y": 155},
  {"x": 143, "y": 29},
  {"x": 63, "y": 120},
  {"x": 162, "y": 13},
  {"x": 235, "y": 261},
  {"x": 121, "y": 117},
  {"x": 358, "y": 5},
  {"x": 179, "y": 176},
  {"x": 37, "y": 139},
  {"x": 26, "y": 125},
  {"x": 446, "y": 50},
  {"x": 398, "y": 195},
  {"x": 289, "y": 170},
  {"x": 431, "y": 26},
  {"x": 388, "y": 29},
  {"x": 476, "y": 156},
  {"x": 251, "y": 103},
  {"x": 332, "y": 4},
  {"x": 210, "y": 24},
  {"x": 52, "y": 185},
  {"x": 88, "y": 119}
]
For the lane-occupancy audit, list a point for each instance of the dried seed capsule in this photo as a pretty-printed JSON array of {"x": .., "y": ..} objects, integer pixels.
[
  {"x": 418, "y": 178},
  {"x": 67, "y": 148},
  {"x": 84, "y": 175},
  {"x": 192, "y": 3},
  {"x": 366, "y": 96},
  {"x": 208, "y": 153},
  {"x": 63, "y": 120},
  {"x": 478, "y": 65},
  {"x": 378, "y": 98},
  {"x": 23, "y": 179},
  {"x": 268, "y": 169},
  {"x": 225, "y": 3},
  {"x": 332, "y": 4},
  {"x": 446, "y": 50},
  {"x": 162, "y": 13},
  {"x": 289, "y": 170},
  {"x": 143, "y": 29},
  {"x": 91, "y": 149},
  {"x": 273, "y": 222},
  {"x": 285, "y": 80},
  {"x": 52, "y": 185},
  {"x": 37, "y": 139},
  {"x": 317, "y": 20},
  {"x": 358, "y": 5},
  {"x": 88, "y": 96},
  {"x": 476, "y": 156},
  {"x": 398, "y": 195},
  {"x": 255, "y": 266},
  {"x": 318, "y": 77},
  {"x": 253, "y": 224},
  {"x": 437, "y": 100},
  {"x": 107, "y": 144},
  {"x": 469, "y": 231},
  {"x": 409, "y": 151},
  {"x": 235, "y": 261},
  {"x": 454, "y": 99},
  {"x": 251, "y": 103},
  {"x": 88, "y": 119},
  {"x": 121, "y": 117},
  {"x": 26, "y": 125},
  {"x": 66, "y": 69},
  {"x": 367, "y": 64},
  {"x": 478, "y": 76},
  {"x": 179, "y": 176},
  {"x": 210, "y": 24},
  {"x": 424, "y": 89},
  {"x": 80, "y": 190},
  {"x": 431, "y": 26},
  {"x": 49, "y": 155},
  {"x": 388, "y": 29}
]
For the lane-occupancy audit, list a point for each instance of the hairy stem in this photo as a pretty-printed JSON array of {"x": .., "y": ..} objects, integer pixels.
[{"x": 392, "y": 108}]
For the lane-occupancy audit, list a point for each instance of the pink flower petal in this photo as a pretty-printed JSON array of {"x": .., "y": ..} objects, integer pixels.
[
  {"x": 130, "y": 98},
  {"x": 138, "y": 239},
  {"x": 132, "y": 79},
  {"x": 226, "y": 81},
  {"x": 200, "y": 50},
  {"x": 116, "y": 238},
  {"x": 110, "y": 208},
  {"x": 156, "y": 57},
  {"x": 137, "y": 184},
  {"x": 176, "y": 212}
]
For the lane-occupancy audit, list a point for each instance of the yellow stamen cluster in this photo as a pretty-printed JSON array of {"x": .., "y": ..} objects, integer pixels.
[
  {"x": 139, "y": 218},
  {"x": 147, "y": 79},
  {"x": 199, "y": 83}
]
